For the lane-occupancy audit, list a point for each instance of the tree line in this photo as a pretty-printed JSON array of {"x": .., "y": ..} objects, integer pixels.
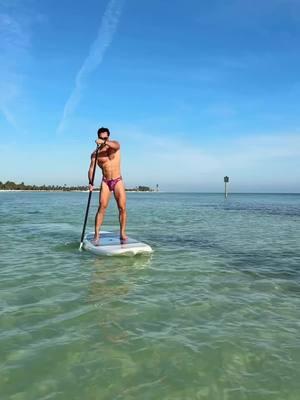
[{"x": 9, "y": 185}]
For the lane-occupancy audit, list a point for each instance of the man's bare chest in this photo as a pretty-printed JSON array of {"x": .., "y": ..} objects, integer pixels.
[{"x": 105, "y": 156}]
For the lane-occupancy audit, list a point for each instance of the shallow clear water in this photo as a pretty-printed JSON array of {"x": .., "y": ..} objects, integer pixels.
[{"x": 214, "y": 313}]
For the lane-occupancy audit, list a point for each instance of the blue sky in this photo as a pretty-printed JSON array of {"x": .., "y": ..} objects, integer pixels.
[{"x": 193, "y": 90}]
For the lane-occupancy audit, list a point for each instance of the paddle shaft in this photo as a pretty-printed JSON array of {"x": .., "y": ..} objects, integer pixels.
[{"x": 89, "y": 200}]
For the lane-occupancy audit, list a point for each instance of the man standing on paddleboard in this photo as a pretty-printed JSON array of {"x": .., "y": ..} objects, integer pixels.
[{"x": 109, "y": 160}]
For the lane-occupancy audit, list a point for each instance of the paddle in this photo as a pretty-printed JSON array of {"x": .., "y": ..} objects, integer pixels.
[{"x": 89, "y": 200}]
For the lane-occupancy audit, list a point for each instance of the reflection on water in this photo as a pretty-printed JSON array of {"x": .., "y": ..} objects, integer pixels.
[{"x": 113, "y": 277}]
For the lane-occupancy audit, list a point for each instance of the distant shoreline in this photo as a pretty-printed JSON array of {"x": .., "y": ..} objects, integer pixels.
[
  {"x": 10, "y": 186},
  {"x": 66, "y": 191},
  {"x": 146, "y": 191}
]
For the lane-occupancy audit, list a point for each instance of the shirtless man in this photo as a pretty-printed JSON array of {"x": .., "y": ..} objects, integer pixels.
[{"x": 109, "y": 161}]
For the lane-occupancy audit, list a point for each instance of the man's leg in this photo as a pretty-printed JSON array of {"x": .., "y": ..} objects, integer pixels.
[
  {"x": 104, "y": 197},
  {"x": 120, "y": 196}
]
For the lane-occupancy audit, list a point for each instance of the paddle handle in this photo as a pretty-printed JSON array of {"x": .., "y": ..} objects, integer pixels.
[{"x": 89, "y": 201}]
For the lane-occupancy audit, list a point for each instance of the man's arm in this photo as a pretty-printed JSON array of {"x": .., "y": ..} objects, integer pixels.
[
  {"x": 91, "y": 169},
  {"x": 113, "y": 144}
]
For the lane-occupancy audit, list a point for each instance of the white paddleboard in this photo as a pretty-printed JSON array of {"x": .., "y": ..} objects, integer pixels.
[{"x": 111, "y": 245}]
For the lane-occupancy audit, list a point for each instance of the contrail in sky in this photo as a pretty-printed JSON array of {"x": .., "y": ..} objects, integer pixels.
[{"x": 103, "y": 40}]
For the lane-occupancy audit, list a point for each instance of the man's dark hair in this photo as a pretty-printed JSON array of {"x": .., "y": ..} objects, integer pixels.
[{"x": 102, "y": 130}]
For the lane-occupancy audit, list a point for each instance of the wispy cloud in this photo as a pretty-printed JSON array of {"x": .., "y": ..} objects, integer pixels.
[
  {"x": 268, "y": 160},
  {"x": 98, "y": 48},
  {"x": 14, "y": 47}
]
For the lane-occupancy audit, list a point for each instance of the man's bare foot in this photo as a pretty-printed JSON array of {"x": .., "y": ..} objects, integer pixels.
[
  {"x": 123, "y": 237},
  {"x": 96, "y": 241}
]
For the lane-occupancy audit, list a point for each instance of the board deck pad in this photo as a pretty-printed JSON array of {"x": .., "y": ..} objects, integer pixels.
[{"x": 111, "y": 244}]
